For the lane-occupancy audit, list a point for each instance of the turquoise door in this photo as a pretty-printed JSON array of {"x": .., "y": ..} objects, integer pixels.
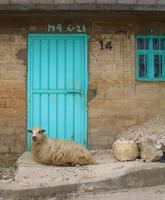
[{"x": 57, "y": 85}]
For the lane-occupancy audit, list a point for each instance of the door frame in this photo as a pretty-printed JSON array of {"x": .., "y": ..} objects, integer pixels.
[{"x": 29, "y": 78}]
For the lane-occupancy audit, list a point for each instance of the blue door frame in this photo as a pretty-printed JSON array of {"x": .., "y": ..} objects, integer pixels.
[{"x": 57, "y": 85}]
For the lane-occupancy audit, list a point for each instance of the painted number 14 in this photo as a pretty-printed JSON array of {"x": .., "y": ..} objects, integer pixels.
[{"x": 108, "y": 45}]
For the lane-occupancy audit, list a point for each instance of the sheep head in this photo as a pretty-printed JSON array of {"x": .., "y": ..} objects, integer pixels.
[{"x": 36, "y": 133}]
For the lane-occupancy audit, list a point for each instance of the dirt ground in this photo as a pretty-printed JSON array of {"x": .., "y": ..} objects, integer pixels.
[{"x": 8, "y": 166}]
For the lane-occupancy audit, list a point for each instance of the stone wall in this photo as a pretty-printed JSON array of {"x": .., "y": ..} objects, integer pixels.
[
  {"x": 119, "y": 100},
  {"x": 115, "y": 99},
  {"x": 12, "y": 91}
]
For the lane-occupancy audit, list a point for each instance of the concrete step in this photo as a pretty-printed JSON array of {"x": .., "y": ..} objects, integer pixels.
[{"x": 42, "y": 180}]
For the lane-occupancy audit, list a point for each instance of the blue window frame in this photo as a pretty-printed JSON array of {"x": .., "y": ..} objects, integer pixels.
[{"x": 150, "y": 58}]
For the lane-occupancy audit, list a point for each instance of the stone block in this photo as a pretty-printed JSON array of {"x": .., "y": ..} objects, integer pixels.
[
  {"x": 2, "y": 103},
  {"x": 126, "y": 1},
  {"x": 85, "y": 1},
  {"x": 42, "y": 1},
  {"x": 93, "y": 57},
  {"x": 97, "y": 75},
  {"x": 12, "y": 112},
  {"x": 19, "y": 148},
  {"x": 19, "y": 52},
  {"x": 5, "y": 53},
  {"x": 118, "y": 58},
  {"x": 13, "y": 75},
  {"x": 108, "y": 75},
  {"x": 2, "y": 84},
  {"x": 4, "y": 148},
  {"x": 63, "y": 1},
  {"x": 94, "y": 45},
  {"x": 20, "y": 136},
  {"x": 99, "y": 87},
  {"x": 97, "y": 112},
  {"x": 128, "y": 67},
  {"x": 13, "y": 93},
  {"x": 4, "y": 1},
  {"x": 14, "y": 84},
  {"x": 7, "y": 37},
  {"x": 161, "y": 2},
  {"x": 95, "y": 123},
  {"x": 12, "y": 66},
  {"x": 100, "y": 142},
  {"x": 105, "y": 129},
  {"x": 16, "y": 144},
  {"x": 102, "y": 66},
  {"x": 145, "y": 91},
  {"x": 122, "y": 76},
  {"x": 124, "y": 120},
  {"x": 147, "y": 2},
  {"x": 13, "y": 52},
  {"x": 106, "y": 1},
  {"x": 21, "y": 2},
  {"x": 20, "y": 38},
  {"x": 92, "y": 93},
  {"x": 13, "y": 122},
  {"x": 116, "y": 92},
  {"x": 7, "y": 131},
  {"x": 16, "y": 103}
]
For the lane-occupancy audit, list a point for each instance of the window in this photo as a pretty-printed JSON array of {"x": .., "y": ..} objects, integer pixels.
[{"x": 150, "y": 58}]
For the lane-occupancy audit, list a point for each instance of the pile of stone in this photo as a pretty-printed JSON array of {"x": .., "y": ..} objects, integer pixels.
[{"x": 146, "y": 141}]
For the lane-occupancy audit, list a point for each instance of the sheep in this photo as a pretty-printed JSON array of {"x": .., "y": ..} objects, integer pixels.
[{"x": 59, "y": 152}]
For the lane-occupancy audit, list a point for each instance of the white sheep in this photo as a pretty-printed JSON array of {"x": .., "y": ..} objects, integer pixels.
[{"x": 59, "y": 152}]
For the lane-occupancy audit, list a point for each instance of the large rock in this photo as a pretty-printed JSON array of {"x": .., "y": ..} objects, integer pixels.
[
  {"x": 162, "y": 141},
  {"x": 150, "y": 150},
  {"x": 125, "y": 150}
]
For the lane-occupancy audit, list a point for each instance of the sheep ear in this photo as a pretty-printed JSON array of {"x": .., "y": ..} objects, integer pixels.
[
  {"x": 42, "y": 131},
  {"x": 30, "y": 131}
]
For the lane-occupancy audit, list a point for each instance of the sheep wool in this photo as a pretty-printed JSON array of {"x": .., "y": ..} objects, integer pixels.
[{"x": 60, "y": 152}]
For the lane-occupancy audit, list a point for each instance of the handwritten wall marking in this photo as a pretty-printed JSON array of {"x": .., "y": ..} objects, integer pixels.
[{"x": 68, "y": 28}]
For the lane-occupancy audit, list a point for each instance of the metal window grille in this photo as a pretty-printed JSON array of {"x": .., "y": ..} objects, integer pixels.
[{"x": 150, "y": 58}]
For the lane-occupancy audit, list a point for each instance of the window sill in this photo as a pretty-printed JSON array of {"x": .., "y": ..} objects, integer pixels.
[{"x": 150, "y": 80}]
